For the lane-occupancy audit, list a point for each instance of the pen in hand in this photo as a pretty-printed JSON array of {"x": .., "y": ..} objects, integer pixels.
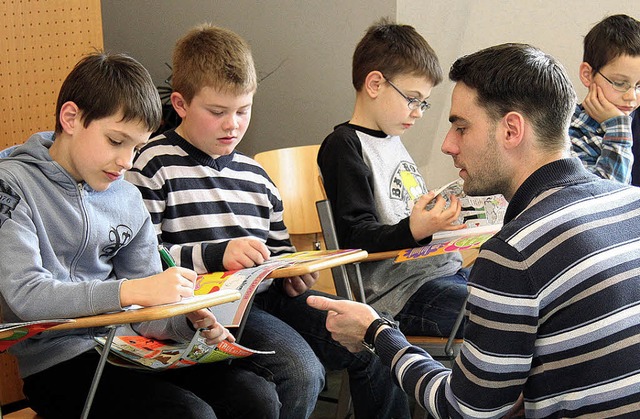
[{"x": 166, "y": 256}]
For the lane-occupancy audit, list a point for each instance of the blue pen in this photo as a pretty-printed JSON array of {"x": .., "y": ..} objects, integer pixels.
[{"x": 166, "y": 256}]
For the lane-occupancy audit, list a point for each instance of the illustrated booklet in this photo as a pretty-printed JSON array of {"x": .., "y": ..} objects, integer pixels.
[
  {"x": 12, "y": 333},
  {"x": 482, "y": 216},
  {"x": 249, "y": 280},
  {"x": 135, "y": 351}
]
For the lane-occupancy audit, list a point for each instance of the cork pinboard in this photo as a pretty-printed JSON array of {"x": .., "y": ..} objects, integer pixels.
[{"x": 40, "y": 41}]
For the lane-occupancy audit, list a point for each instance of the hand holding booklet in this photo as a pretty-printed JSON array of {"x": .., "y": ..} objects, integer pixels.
[
  {"x": 248, "y": 281},
  {"x": 482, "y": 216}
]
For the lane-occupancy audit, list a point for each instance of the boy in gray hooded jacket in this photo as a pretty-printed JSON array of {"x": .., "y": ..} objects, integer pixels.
[{"x": 76, "y": 240}]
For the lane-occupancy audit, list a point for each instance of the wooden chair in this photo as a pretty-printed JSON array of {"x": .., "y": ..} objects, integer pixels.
[
  {"x": 295, "y": 172},
  {"x": 25, "y": 413}
]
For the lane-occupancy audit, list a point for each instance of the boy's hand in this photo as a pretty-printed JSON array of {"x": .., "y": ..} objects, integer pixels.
[
  {"x": 347, "y": 321},
  {"x": 244, "y": 253},
  {"x": 423, "y": 223},
  {"x": 166, "y": 287},
  {"x": 297, "y": 285},
  {"x": 597, "y": 106},
  {"x": 213, "y": 331}
]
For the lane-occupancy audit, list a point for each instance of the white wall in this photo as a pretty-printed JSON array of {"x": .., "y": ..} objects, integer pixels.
[
  {"x": 458, "y": 27},
  {"x": 313, "y": 42}
]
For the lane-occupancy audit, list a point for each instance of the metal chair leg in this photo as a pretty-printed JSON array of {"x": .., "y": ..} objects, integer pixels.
[{"x": 98, "y": 373}]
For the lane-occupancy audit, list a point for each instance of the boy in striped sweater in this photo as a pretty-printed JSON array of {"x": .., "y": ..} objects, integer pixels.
[
  {"x": 554, "y": 303},
  {"x": 216, "y": 209}
]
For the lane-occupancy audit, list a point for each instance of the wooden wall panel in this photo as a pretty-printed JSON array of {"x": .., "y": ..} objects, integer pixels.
[{"x": 40, "y": 41}]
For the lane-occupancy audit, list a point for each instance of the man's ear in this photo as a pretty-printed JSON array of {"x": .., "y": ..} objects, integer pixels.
[
  {"x": 372, "y": 83},
  {"x": 69, "y": 117},
  {"x": 586, "y": 74},
  {"x": 179, "y": 104},
  {"x": 513, "y": 125}
]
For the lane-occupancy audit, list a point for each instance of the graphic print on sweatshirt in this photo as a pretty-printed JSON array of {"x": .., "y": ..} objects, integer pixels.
[
  {"x": 118, "y": 237},
  {"x": 8, "y": 201},
  {"x": 407, "y": 184}
]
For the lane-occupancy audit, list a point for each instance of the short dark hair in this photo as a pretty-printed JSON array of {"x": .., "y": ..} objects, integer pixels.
[
  {"x": 610, "y": 38},
  {"x": 394, "y": 49},
  {"x": 521, "y": 78},
  {"x": 211, "y": 56},
  {"x": 103, "y": 84}
]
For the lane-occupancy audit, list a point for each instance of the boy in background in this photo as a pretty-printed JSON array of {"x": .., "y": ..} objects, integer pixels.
[
  {"x": 216, "y": 209},
  {"x": 76, "y": 234},
  {"x": 372, "y": 183},
  {"x": 600, "y": 131}
]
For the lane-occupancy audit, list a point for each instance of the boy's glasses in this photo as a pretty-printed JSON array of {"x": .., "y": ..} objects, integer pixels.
[
  {"x": 620, "y": 86},
  {"x": 412, "y": 102}
]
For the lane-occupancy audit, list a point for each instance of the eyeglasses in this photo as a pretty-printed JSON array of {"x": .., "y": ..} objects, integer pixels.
[
  {"x": 412, "y": 102},
  {"x": 620, "y": 86}
]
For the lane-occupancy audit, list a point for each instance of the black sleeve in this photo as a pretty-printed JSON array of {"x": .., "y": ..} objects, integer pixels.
[{"x": 347, "y": 181}]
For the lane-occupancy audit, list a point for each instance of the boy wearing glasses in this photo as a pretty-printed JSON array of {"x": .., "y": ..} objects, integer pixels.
[
  {"x": 378, "y": 197},
  {"x": 600, "y": 128}
]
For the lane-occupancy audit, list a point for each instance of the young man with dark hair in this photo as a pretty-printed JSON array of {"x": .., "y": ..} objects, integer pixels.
[{"x": 553, "y": 310}]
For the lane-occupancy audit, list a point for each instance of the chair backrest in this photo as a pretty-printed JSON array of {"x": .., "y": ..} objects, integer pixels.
[
  {"x": 295, "y": 172},
  {"x": 340, "y": 275}
]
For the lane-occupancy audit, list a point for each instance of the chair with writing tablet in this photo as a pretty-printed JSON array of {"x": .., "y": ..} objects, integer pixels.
[
  {"x": 444, "y": 349},
  {"x": 113, "y": 320}
]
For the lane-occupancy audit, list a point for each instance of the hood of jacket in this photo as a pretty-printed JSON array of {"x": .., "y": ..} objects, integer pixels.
[{"x": 35, "y": 151}]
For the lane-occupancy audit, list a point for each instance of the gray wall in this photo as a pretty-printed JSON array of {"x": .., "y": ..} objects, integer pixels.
[
  {"x": 310, "y": 43},
  {"x": 458, "y": 27}
]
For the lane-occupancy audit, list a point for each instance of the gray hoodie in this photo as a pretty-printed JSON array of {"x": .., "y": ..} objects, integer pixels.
[{"x": 65, "y": 250}]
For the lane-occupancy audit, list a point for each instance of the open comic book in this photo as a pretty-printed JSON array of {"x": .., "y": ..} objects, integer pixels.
[
  {"x": 248, "y": 280},
  {"x": 482, "y": 216},
  {"x": 12, "y": 333},
  {"x": 136, "y": 351}
]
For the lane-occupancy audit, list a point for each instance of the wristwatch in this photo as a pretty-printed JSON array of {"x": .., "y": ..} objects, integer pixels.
[{"x": 372, "y": 330}]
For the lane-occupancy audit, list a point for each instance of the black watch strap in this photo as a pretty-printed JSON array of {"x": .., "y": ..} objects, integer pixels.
[{"x": 372, "y": 330}]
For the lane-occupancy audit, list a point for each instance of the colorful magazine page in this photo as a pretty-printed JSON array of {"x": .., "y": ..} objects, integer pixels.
[
  {"x": 454, "y": 241},
  {"x": 147, "y": 353},
  {"x": 251, "y": 280},
  {"x": 476, "y": 210},
  {"x": 12, "y": 333},
  {"x": 245, "y": 280}
]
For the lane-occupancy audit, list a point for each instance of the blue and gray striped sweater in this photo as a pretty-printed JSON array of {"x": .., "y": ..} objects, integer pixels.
[{"x": 553, "y": 312}]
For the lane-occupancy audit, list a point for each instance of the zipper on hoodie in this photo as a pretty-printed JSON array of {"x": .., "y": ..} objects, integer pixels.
[{"x": 85, "y": 229}]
